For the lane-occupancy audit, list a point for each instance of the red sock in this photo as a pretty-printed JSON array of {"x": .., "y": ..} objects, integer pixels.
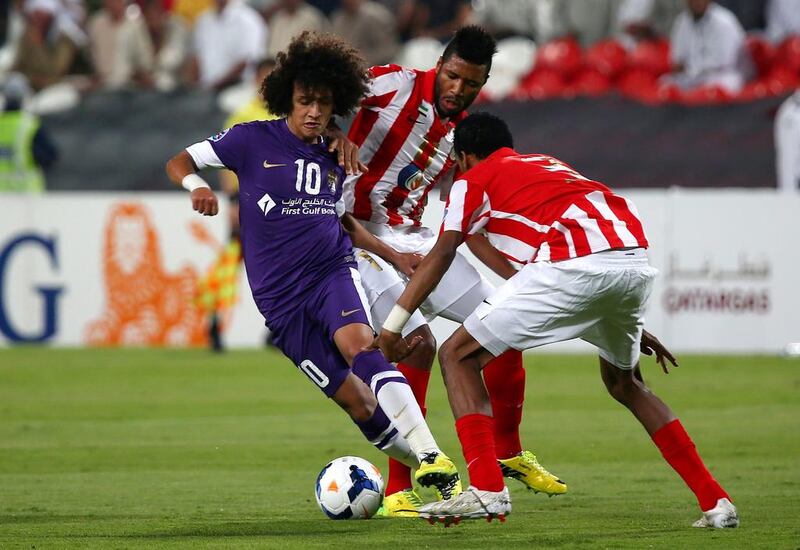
[
  {"x": 399, "y": 473},
  {"x": 679, "y": 451},
  {"x": 477, "y": 442},
  {"x": 505, "y": 381}
]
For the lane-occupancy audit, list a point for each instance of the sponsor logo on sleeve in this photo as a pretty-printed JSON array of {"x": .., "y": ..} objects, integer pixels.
[{"x": 219, "y": 136}]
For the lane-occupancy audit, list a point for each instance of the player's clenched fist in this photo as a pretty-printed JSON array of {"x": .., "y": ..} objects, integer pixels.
[{"x": 205, "y": 201}]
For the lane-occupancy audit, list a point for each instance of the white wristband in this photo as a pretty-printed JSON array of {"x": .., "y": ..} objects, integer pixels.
[
  {"x": 396, "y": 320},
  {"x": 193, "y": 181}
]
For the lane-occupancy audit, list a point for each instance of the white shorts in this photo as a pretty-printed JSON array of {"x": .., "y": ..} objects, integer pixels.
[
  {"x": 599, "y": 298},
  {"x": 458, "y": 294}
]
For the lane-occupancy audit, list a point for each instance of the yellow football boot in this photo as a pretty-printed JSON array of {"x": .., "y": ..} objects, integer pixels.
[
  {"x": 438, "y": 471},
  {"x": 525, "y": 468},
  {"x": 402, "y": 504}
]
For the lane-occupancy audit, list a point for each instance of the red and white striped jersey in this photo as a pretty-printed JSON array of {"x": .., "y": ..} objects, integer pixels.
[
  {"x": 535, "y": 208},
  {"x": 403, "y": 142}
]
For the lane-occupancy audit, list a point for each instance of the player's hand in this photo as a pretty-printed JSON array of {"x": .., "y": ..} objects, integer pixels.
[
  {"x": 347, "y": 151},
  {"x": 407, "y": 262},
  {"x": 394, "y": 346},
  {"x": 205, "y": 201},
  {"x": 651, "y": 345}
]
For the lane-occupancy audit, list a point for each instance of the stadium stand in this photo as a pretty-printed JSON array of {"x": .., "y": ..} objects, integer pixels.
[{"x": 568, "y": 94}]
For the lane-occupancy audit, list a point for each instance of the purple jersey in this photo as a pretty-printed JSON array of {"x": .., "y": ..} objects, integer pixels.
[{"x": 288, "y": 193}]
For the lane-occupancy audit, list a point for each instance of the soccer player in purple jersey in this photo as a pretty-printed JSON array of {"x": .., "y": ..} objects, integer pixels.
[{"x": 297, "y": 247}]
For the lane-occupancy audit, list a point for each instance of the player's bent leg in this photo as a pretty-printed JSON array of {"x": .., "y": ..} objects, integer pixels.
[
  {"x": 504, "y": 377},
  {"x": 417, "y": 370},
  {"x": 383, "y": 287},
  {"x": 358, "y": 401},
  {"x": 505, "y": 382},
  {"x": 462, "y": 359},
  {"x": 627, "y": 386},
  {"x": 396, "y": 398}
]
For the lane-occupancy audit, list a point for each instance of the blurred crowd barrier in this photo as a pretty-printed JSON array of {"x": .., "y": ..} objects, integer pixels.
[
  {"x": 120, "y": 141},
  {"x": 122, "y": 269}
]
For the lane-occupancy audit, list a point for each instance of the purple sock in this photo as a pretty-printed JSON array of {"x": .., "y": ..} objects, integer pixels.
[
  {"x": 373, "y": 368},
  {"x": 378, "y": 429}
]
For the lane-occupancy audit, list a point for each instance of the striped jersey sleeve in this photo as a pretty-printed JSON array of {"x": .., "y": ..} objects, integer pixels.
[
  {"x": 536, "y": 208},
  {"x": 467, "y": 210}
]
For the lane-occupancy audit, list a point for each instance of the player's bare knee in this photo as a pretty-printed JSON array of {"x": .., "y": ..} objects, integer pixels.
[
  {"x": 449, "y": 355},
  {"x": 445, "y": 354},
  {"x": 423, "y": 355},
  {"x": 623, "y": 386}
]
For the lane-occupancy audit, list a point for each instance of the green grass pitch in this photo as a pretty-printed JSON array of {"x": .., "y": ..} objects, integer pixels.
[{"x": 164, "y": 449}]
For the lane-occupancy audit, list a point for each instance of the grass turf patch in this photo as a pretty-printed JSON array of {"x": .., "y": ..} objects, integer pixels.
[{"x": 167, "y": 448}]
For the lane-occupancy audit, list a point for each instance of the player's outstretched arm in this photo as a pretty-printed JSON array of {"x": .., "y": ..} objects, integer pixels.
[
  {"x": 182, "y": 171},
  {"x": 406, "y": 263},
  {"x": 482, "y": 249}
]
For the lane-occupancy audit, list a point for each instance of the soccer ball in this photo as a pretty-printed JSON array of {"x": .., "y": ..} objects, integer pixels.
[{"x": 349, "y": 488}]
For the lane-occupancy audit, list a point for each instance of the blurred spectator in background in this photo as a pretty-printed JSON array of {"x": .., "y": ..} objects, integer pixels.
[
  {"x": 439, "y": 19},
  {"x": 504, "y": 18},
  {"x": 403, "y": 11},
  {"x": 75, "y": 10},
  {"x": 750, "y": 13},
  {"x": 25, "y": 148},
  {"x": 169, "y": 38},
  {"x": 227, "y": 41},
  {"x": 191, "y": 10},
  {"x": 217, "y": 291},
  {"x": 12, "y": 25},
  {"x": 327, "y": 7},
  {"x": 292, "y": 18},
  {"x": 589, "y": 21},
  {"x": 643, "y": 20},
  {"x": 253, "y": 109},
  {"x": 783, "y": 19},
  {"x": 787, "y": 144},
  {"x": 49, "y": 45},
  {"x": 368, "y": 26},
  {"x": 708, "y": 48},
  {"x": 120, "y": 45}
]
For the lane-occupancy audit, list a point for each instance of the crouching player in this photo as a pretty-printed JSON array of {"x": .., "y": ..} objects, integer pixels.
[
  {"x": 298, "y": 252},
  {"x": 585, "y": 275}
]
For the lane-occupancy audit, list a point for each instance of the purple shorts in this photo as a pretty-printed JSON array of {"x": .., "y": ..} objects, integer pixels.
[{"x": 305, "y": 335}]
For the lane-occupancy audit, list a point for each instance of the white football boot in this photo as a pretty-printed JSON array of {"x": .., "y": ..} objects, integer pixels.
[
  {"x": 721, "y": 516},
  {"x": 471, "y": 504}
]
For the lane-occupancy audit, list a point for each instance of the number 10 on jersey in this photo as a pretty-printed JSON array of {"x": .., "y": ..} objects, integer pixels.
[{"x": 310, "y": 175}]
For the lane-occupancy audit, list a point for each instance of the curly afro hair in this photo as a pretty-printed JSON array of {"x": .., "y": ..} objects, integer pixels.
[{"x": 317, "y": 61}]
